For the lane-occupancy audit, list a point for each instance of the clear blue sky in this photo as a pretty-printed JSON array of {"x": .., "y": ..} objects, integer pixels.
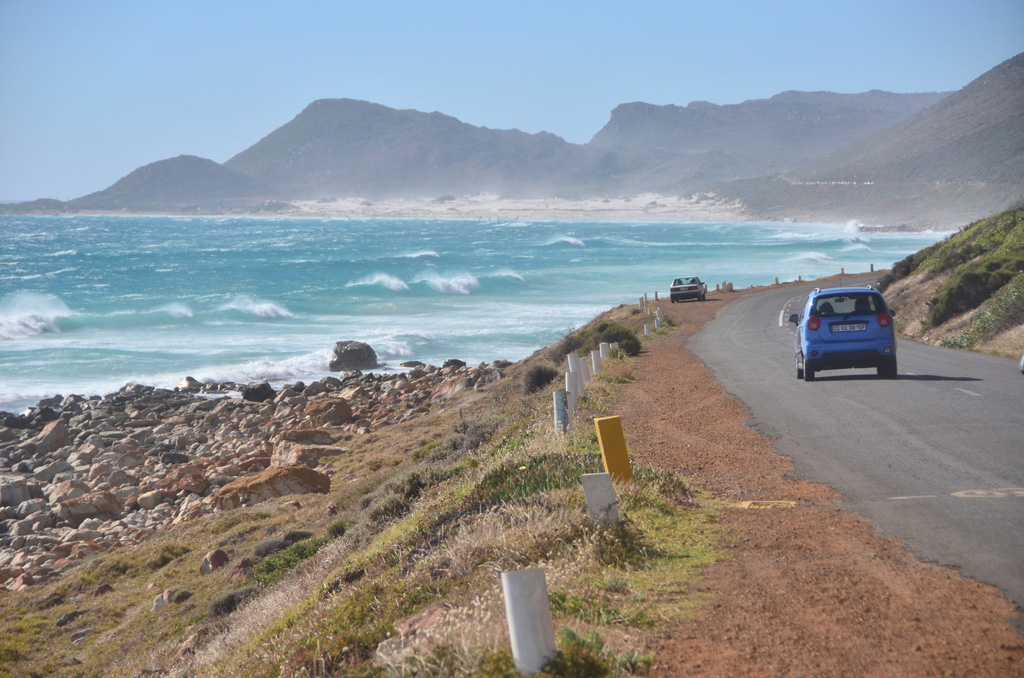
[{"x": 91, "y": 90}]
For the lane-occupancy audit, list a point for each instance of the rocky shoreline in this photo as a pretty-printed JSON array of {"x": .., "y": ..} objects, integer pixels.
[{"x": 82, "y": 475}]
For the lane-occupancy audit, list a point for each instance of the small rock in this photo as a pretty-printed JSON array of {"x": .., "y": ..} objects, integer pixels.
[
  {"x": 258, "y": 393},
  {"x": 213, "y": 561},
  {"x": 162, "y": 599},
  {"x": 68, "y": 618}
]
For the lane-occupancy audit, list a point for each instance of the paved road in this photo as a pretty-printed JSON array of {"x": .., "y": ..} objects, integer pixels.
[{"x": 935, "y": 457}]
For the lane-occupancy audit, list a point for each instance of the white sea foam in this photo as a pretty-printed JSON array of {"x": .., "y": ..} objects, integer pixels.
[
  {"x": 565, "y": 240},
  {"x": 507, "y": 273},
  {"x": 25, "y": 314},
  {"x": 458, "y": 284},
  {"x": 177, "y": 309},
  {"x": 813, "y": 257},
  {"x": 388, "y": 281},
  {"x": 296, "y": 367},
  {"x": 393, "y": 349},
  {"x": 423, "y": 254},
  {"x": 256, "y": 307}
]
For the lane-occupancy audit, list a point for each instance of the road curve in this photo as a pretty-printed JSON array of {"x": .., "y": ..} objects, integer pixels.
[{"x": 935, "y": 457}]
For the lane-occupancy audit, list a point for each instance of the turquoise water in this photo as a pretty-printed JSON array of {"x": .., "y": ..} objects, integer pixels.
[{"x": 88, "y": 304}]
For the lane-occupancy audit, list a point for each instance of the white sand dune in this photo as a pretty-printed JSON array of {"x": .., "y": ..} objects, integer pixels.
[{"x": 645, "y": 207}]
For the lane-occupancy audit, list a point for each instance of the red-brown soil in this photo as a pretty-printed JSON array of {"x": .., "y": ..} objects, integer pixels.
[{"x": 803, "y": 591}]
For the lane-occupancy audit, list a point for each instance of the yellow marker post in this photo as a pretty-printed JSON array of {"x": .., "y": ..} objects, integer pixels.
[{"x": 613, "y": 448}]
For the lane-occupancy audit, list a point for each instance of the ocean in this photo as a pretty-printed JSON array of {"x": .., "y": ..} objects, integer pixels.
[{"x": 89, "y": 303}]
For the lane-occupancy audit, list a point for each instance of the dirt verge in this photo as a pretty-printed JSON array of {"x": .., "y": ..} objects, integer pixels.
[{"x": 807, "y": 590}]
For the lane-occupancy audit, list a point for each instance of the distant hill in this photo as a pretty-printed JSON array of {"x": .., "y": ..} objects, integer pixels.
[
  {"x": 703, "y": 143},
  {"x": 958, "y": 159},
  {"x": 343, "y": 148},
  {"x": 181, "y": 182},
  {"x": 922, "y": 159}
]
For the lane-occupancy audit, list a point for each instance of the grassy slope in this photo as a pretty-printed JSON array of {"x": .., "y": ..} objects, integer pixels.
[
  {"x": 966, "y": 291},
  {"x": 425, "y": 512}
]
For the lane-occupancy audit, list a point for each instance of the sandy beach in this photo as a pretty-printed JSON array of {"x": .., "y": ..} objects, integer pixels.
[{"x": 643, "y": 207}]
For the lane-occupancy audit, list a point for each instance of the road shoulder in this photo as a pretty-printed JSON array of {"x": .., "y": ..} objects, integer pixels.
[{"x": 805, "y": 589}]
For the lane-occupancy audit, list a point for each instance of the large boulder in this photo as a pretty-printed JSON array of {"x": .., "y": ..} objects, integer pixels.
[
  {"x": 329, "y": 411},
  {"x": 53, "y": 437},
  {"x": 16, "y": 489},
  {"x": 275, "y": 482},
  {"x": 287, "y": 453},
  {"x": 92, "y": 505},
  {"x": 353, "y": 355}
]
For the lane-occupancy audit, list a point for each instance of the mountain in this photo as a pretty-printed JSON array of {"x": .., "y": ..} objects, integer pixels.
[
  {"x": 704, "y": 142},
  {"x": 927, "y": 159},
  {"x": 957, "y": 159},
  {"x": 175, "y": 183},
  {"x": 343, "y": 148}
]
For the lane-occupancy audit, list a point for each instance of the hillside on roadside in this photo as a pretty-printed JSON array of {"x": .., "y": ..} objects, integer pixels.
[{"x": 966, "y": 291}]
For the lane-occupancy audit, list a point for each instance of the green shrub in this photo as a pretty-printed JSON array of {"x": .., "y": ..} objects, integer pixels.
[
  {"x": 270, "y": 570},
  {"x": 336, "y": 530},
  {"x": 1004, "y": 310},
  {"x": 166, "y": 555},
  {"x": 567, "y": 344},
  {"x": 1000, "y": 234},
  {"x": 974, "y": 284},
  {"x": 592, "y": 610},
  {"x": 587, "y": 655},
  {"x": 230, "y": 601},
  {"x": 537, "y": 377},
  {"x": 611, "y": 332},
  {"x": 515, "y": 480}
]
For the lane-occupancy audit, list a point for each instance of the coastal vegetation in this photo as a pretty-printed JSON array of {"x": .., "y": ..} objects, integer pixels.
[
  {"x": 966, "y": 291},
  {"x": 395, "y": 570}
]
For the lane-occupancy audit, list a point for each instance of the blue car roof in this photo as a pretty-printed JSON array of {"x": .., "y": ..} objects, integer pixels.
[{"x": 844, "y": 290}]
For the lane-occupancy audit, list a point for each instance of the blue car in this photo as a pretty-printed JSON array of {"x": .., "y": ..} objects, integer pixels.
[{"x": 844, "y": 327}]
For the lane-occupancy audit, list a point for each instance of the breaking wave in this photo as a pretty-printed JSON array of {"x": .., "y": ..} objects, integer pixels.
[
  {"x": 459, "y": 284},
  {"x": 26, "y": 314},
  {"x": 565, "y": 240},
  {"x": 388, "y": 281},
  {"x": 424, "y": 254},
  {"x": 266, "y": 310}
]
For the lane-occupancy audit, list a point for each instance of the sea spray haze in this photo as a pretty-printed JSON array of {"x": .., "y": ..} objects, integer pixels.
[{"x": 88, "y": 303}]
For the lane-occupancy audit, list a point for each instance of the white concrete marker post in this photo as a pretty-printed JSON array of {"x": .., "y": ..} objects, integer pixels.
[
  {"x": 572, "y": 395},
  {"x": 574, "y": 362},
  {"x": 602, "y": 503},
  {"x": 595, "y": 360},
  {"x": 528, "y": 613},
  {"x": 657, "y": 323},
  {"x": 585, "y": 372},
  {"x": 577, "y": 375},
  {"x": 605, "y": 349},
  {"x": 562, "y": 418},
  {"x": 647, "y": 330}
]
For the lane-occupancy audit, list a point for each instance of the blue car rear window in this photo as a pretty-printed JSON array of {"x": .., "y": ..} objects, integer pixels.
[{"x": 856, "y": 303}]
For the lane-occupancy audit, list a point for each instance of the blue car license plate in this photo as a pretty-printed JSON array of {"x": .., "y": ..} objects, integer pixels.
[{"x": 849, "y": 327}]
